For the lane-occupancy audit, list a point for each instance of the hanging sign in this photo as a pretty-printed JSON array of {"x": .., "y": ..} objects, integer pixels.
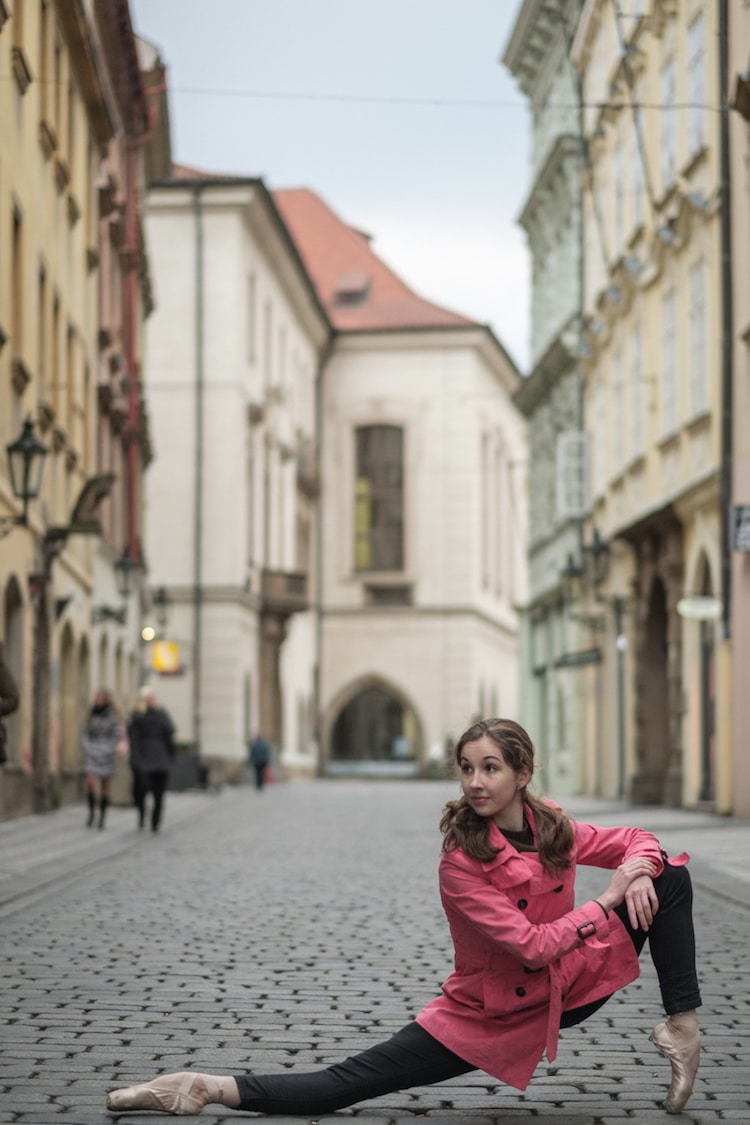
[{"x": 165, "y": 657}]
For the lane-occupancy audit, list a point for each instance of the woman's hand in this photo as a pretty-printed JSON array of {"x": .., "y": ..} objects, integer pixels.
[
  {"x": 632, "y": 881},
  {"x": 642, "y": 902}
]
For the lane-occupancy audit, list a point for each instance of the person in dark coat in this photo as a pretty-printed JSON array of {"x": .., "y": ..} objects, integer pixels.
[
  {"x": 8, "y": 702},
  {"x": 259, "y": 759},
  {"x": 151, "y": 736},
  {"x": 101, "y": 733}
]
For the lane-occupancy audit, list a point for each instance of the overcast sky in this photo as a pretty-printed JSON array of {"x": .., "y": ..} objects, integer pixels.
[{"x": 398, "y": 113}]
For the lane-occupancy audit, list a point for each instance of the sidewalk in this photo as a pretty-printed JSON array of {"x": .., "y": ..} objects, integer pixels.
[{"x": 43, "y": 850}]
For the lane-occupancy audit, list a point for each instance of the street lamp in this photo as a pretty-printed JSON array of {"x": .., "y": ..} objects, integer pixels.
[
  {"x": 162, "y": 602},
  {"x": 25, "y": 467},
  {"x": 124, "y": 568}
]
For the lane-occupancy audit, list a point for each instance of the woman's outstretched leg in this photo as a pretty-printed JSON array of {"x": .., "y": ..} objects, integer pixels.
[{"x": 412, "y": 1057}]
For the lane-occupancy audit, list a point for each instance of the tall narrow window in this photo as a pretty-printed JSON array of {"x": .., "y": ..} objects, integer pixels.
[
  {"x": 379, "y": 498},
  {"x": 639, "y": 179},
  {"x": 17, "y": 295},
  {"x": 618, "y": 412},
  {"x": 636, "y": 390},
  {"x": 669, "y": 362},
  {"x": 42, "y": 334},
  {"x": 697, "y": 315},
  {"x": 251, "y": 318},
  {"x": 668, "y": 124},
  {"x": 696, "y": 84}
]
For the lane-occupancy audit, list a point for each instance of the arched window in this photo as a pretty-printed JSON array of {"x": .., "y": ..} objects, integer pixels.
[{"x": 379, "y": 498}]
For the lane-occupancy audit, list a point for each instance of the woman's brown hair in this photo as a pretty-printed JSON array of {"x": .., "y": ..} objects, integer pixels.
[{"x": 463, "y": 828}]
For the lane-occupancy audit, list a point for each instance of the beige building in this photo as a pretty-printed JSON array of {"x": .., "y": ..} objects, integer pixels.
[
  {"x": 738, "y": 75},
  {"x": 422, "y": 511},
  {"x": 653, "y": 397},
  {"x": 73, "y": 291}
]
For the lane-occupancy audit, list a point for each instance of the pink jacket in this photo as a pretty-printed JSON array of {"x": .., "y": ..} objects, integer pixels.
[{"x": 524, "y": 954}]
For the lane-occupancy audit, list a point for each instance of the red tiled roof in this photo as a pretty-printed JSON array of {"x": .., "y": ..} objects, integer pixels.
[{"x": 358, "y": 290}]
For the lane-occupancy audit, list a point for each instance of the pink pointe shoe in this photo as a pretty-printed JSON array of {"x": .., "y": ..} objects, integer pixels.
[
  {"x": 182, "y": 1094},
  {"x": 678, "y": 1039}
]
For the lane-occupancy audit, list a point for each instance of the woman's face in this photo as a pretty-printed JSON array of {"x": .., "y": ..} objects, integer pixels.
[
  {"x": 489, "y": 784},
  {"x": 100, "y": 699}
]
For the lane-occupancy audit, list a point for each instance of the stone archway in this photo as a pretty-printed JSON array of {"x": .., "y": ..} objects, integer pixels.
[
  {"x": 375, "y": 732},
  {"x": 69, "y": 751},
  {"x": 14, "y": 656},
  {"x": 658, "y": 675}
]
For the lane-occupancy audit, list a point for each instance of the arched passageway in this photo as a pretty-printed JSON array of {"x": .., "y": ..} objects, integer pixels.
[{"x": 375, "y": 733}]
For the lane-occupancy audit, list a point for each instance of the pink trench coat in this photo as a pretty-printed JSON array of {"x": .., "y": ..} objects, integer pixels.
[{"x": 523, "y": 954}]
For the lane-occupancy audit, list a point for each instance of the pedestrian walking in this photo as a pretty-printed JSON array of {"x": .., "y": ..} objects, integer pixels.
[
  {"x": 151, "y": 736},
  {"x": 527, "y": 960},
  {"x": 102, "y": 732},
  {"x": 259, "y": 759},
  {"x": 8, "y": 702}
]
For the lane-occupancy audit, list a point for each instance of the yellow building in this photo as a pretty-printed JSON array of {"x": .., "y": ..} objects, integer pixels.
[
  {"x": 738, "y": 74},
  {"x": 69, "y": 112},
  {"x": 653, "y": 394}
]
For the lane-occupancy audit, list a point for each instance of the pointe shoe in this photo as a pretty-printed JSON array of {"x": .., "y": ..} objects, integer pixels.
[
  {"x": 182, "y": 1094},
  {"x": 683, "y": 1052}
]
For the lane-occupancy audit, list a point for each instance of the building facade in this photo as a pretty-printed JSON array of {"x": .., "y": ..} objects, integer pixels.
[
  {"x": 71, "y": 108},
  {"x": 653, "y": 403},
  {"x": 738, "y": 125},
  {"x": 233, "y": 355},
  {"x": 422, "y": 511},
  {"x": 555, "y": 685}
]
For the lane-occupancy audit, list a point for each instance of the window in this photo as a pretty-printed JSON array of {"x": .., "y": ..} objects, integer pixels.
[
  {"x": 668, "y": 125},
  {"x": 696, "y": 84},
  {"x": 619, "y": 175},
  {"x": 251, "y": 326},
  {"x": 697, "y": 317},
  {"x": 669, "y": 360},
  {"x": 378, "y": 499},
  {"x": 618, "y": 412},
  {"x": 636, "y": 387}
]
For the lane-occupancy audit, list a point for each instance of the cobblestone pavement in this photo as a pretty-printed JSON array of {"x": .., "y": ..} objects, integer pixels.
[{"x": 289, "y": 928}]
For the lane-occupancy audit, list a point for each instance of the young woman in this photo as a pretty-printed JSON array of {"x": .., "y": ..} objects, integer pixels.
[
  {"x": 527, "y": 961},
  {"x": 101, "y": 733}
]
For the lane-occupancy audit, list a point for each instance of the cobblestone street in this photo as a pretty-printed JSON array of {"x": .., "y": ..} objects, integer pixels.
[{"x": 289, "y": 928}]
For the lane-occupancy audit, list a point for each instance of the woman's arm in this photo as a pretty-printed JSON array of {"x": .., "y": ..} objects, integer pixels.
[{"x": 467, "y": 893}]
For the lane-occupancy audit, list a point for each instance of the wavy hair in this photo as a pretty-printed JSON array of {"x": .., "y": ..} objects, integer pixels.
[{"x": 463, "y": 828}]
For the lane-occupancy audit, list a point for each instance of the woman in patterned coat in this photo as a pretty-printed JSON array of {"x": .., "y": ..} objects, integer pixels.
[{"x": 101, "y": 734}]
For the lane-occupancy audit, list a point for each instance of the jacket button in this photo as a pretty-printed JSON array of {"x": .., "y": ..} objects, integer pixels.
[
  {"x": 520, "y": 991},
  {"x": 522, "y": 904}
]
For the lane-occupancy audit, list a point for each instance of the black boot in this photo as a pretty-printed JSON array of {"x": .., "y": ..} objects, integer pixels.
[
  {"x": 103, "y": 805},
  {"x": 92, "y": 810}
]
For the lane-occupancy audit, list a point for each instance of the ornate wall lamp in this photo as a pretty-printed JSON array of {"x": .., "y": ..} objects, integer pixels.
[
  {"x": 26, "y": 456},
  {"x": 161, "y": 601},
  {"x": 125, "y": 571}
]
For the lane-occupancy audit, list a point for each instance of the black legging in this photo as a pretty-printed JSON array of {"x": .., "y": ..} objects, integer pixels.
[{"x": 413, "y": 1057}]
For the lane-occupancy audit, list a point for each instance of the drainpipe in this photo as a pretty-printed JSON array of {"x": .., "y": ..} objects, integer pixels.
[
  {"x": 130, "y": 304},
  {"x": 198, "y": 482},
  {"x": 727, "y": 322},
  {"x": 319, "y": 433},
  {"x": 724, "y": 794}
]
